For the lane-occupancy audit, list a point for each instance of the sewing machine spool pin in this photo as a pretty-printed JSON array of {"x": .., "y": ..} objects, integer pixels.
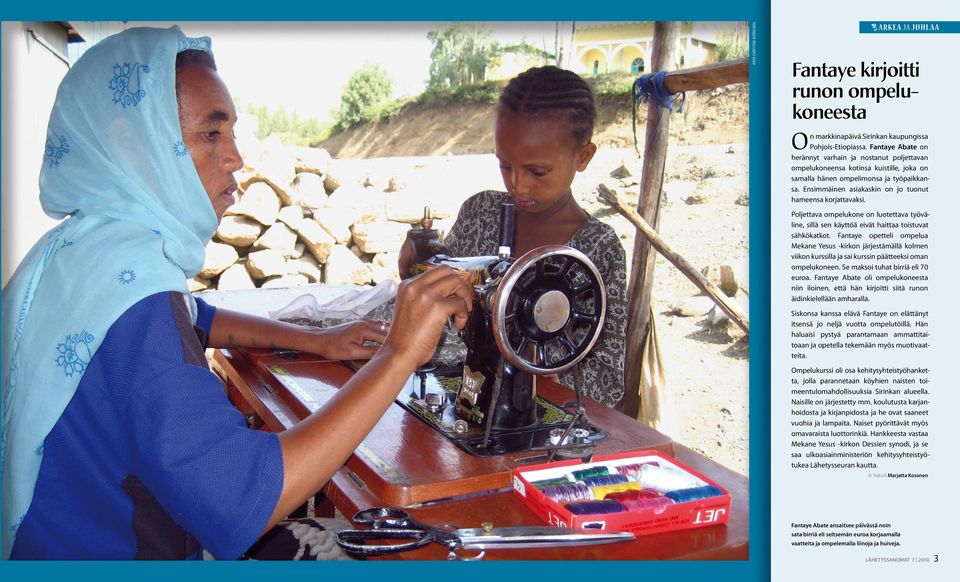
[{"x": 424, "y": 242}]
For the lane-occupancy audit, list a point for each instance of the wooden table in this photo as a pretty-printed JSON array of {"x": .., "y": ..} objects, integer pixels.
[{"x": 404, "y": 462}]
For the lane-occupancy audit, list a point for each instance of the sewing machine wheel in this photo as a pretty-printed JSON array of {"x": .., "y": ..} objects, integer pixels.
[{"x": 548, "y": 310}]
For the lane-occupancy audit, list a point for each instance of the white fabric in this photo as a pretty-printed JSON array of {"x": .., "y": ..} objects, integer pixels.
[{"x": 351, "y": 305}]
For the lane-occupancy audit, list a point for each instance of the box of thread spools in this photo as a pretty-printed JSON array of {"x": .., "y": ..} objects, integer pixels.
[{"x": 641, "y": 492}]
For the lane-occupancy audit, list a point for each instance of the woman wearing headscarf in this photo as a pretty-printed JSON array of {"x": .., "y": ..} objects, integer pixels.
[{"x": 117, "y": 441}]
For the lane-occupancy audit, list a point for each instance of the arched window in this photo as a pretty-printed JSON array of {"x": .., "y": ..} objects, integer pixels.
[
  {"x": 596, "y": 67},
  {"x": 636, "y": 66}
]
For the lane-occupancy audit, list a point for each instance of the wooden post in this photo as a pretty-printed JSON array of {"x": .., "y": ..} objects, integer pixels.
[
  {"x": 665, "y": 35},
  {"x": 708, "y": 76}
]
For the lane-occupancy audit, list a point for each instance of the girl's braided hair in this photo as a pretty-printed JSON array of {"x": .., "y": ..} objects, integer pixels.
[{"x": 552, "y": 91}]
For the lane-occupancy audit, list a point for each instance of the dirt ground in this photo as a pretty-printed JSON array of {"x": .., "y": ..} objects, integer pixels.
[{"x": 704, "y": 217}]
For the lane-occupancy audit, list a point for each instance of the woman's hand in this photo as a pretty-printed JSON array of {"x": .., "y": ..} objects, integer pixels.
[
  {"x": 424, "y": 303},
  {"x": 316, "y": 448},
  {"x": 342, "y": 342},
  {"x": 346, "y": 341}
]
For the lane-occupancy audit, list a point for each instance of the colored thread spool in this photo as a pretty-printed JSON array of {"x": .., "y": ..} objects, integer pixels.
[
  {"x": 604, "y": 480},
  {"x": 665, "y": 479},
  {"x": 655, "y": 504},
  {"x": 604, "y": 491},
  {"x": 694, "y": 493},
  {"x": 635, "y": 495},
  {"x": 567, "y": 493},
  {"x": 549, "y": 483},
  {"x": 591, "y": 507},
  {"x": 631, "y": 471},
  {"x": 591, "y": 472}
]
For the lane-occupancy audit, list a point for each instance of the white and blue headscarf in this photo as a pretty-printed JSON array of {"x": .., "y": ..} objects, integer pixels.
[{"x": 137, "y": 222}]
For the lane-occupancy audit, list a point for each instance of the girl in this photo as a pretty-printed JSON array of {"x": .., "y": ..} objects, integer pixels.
[{"x": 544, "y": 127}]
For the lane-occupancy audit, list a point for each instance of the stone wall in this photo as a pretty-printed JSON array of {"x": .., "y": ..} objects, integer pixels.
[{"x": 303, "y": 217}]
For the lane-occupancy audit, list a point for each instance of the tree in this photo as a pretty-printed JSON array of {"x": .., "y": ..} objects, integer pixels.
[
  {"x": 733, "y": 44},
  {"x": 559, "y": 42},
  {"x": 460, "y": 55},
  {"x": 280, "y": 121},
  {"x": 366, "y": 88},
  {"x": 291, "y": 128}
]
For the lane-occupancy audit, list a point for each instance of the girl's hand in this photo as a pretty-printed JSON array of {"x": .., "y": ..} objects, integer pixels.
[{"x": 405, "y": 258}]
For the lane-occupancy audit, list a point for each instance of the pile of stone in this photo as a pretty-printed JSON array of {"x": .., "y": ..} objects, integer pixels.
[{"x": 301, "y": 217}]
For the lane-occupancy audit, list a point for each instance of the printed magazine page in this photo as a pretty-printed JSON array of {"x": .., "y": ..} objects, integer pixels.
[
  {"x": 863, "y": 290},
  {"x": 331, "y": 143}
]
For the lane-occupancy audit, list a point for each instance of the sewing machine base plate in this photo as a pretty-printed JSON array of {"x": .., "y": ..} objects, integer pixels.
[{"x": 446, "y": 382}]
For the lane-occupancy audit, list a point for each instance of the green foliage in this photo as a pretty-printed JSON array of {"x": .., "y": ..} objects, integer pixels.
[
  {"x": 729, "y": 50},
  {"x": 387, "y": 109},
  {"x": 732, "y": 45},
  {"x": 616, "y": 84},
  {"x": 460, "y": 55},
  {"x": 530, "y": 50},
  {"x": 363, "y": 97},
  {"x": 485, "y": 92},
  {"x": 291, "y": 129}
]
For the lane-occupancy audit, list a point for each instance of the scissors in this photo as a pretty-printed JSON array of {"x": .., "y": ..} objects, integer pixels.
[{"x": 396, "y": 524}]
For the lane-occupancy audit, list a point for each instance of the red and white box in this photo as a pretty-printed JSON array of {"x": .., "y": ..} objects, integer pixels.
[{"x": 708, "y": 511}]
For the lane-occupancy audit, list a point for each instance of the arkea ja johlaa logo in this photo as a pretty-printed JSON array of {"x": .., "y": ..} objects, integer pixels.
[{"x": 905, "y": 27}]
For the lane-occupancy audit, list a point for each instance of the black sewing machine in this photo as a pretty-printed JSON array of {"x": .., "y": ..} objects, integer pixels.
[{"x": 536, "y": 315}]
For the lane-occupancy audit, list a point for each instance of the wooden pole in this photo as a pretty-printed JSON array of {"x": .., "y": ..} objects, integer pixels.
[
  {"x": 704, "y": 284},
  {"x": 708, "y": 76},
  {"x": 665, "y": 35}
]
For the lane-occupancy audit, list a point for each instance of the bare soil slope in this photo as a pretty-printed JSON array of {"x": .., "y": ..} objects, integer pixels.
[{"x": 719, "y": 116}]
